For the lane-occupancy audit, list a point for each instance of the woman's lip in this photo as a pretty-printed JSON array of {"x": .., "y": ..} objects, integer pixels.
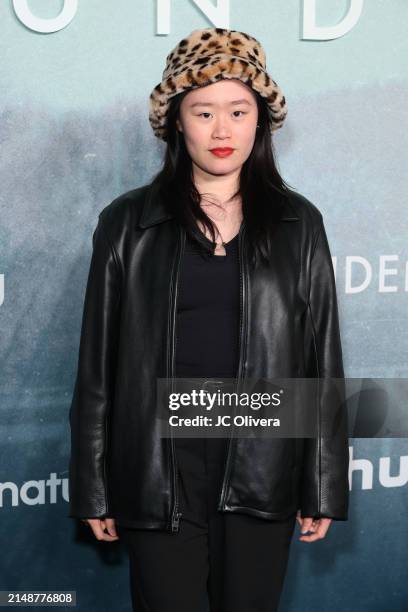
[{"x": 222, "y": 152}]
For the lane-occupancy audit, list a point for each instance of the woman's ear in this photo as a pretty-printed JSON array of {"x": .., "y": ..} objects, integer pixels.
[{"x": 178, "y": 125}]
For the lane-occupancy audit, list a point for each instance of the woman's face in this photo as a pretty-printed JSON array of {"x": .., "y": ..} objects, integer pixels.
[{"x": 221, "y": 115}]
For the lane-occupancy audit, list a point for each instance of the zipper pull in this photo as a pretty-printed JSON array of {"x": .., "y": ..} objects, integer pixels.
[{"x": 176, "y": 522}]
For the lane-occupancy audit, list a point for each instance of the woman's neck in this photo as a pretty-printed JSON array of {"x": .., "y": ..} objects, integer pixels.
[{"x": 227, "y": 217}]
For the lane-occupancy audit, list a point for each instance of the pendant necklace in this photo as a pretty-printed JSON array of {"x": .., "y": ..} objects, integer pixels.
[{"x": 220, "y": 247}]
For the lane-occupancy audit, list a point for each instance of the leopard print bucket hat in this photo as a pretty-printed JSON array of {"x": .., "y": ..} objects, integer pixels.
[{"x": 207, "y": 56}]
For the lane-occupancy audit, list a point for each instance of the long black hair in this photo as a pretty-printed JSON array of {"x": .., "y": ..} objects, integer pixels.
[{"x": 261, "y": 187}]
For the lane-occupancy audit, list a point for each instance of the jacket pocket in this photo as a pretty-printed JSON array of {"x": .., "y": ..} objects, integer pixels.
[{"x": 262, "y": 474}]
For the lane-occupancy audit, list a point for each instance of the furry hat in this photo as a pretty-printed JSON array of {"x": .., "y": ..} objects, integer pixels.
[{"x": 207, "y": 56}]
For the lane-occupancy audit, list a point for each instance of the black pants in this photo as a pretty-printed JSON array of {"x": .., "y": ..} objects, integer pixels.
[
  {"x": 238, "y": 561},
  {"x": 235, "y": 561}
]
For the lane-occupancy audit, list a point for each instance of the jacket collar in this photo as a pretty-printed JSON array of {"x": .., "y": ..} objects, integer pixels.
[{"x": 154, "y": 209}]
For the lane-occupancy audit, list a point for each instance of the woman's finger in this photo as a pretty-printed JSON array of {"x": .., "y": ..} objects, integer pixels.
[
  {"x": 98, "y": 526},
  {"x": 110, "y": 526},
  {"x": 322, "y": 526}
]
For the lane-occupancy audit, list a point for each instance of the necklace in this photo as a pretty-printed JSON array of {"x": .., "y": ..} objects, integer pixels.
[{"x": 220, "y": 247}]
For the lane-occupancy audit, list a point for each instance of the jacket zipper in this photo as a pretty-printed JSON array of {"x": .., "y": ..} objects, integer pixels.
[
  {"x": 175, "y": 519},
  {"x": 242, "y": 332}
]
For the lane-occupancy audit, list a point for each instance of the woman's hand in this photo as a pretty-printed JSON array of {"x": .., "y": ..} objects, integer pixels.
[
  {"x": 98, "y": 526},
  {"x": 319, "y": 527}
]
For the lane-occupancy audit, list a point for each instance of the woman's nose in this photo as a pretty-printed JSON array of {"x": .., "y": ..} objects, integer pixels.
[{"x": 221, "y": 129}]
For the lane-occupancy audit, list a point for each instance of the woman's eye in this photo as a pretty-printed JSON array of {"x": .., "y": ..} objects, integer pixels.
[{"x": 242, "y": 113}]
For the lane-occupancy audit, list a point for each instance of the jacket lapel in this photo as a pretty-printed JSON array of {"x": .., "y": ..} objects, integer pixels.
[{"x": 154, "y": 209}]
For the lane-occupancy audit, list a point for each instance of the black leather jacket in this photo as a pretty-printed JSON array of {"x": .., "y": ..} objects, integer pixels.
[{"x": 119, "y": 466}]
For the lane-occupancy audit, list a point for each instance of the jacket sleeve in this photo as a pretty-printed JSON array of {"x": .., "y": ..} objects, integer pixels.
[
  {"x": 324, "y": 483},
  {"x": 93, "y": 388}
]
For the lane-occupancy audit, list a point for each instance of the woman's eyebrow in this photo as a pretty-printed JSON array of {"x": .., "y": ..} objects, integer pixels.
[{"x": 243, "y": 101}]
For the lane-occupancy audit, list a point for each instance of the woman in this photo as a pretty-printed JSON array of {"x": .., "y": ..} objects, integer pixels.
[{"x": 214, "y": 270}]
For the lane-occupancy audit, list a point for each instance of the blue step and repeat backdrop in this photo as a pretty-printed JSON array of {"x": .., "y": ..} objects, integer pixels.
[{"x": 74, "y": 83}]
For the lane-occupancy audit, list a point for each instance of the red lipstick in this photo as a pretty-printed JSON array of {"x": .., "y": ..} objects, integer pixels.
[{"x": 222, "y": 151}]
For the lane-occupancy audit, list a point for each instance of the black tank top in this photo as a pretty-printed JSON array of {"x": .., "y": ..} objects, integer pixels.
[{"x": 208, "y": 313}]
